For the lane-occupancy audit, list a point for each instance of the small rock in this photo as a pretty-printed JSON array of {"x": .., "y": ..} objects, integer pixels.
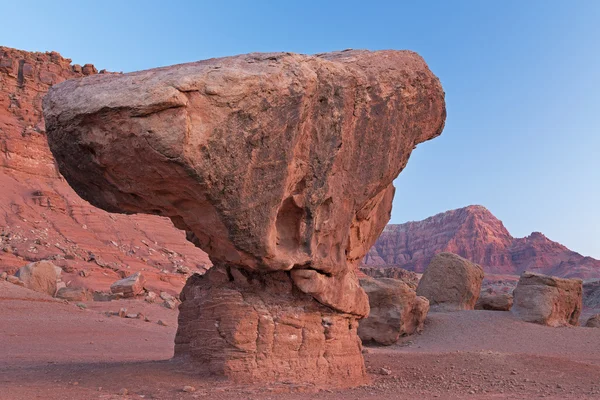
[
  {"x": 166, "y": 296},
  {"x": 161, "y": 323},
  {"x": 122, "y": 312},
  {"x": 14, "y": 280},
  {"x": 170, "y": 304},
  {"x": 150, "y": 297},
  {"x": 82, "y": 306},
  {"x": 189, "y": 389},
  {"x": 123, "y": 392},
  {"x": 384, "y": 371},
  {"x": 132, "y": 316},
  {"x": 3, "y": 276}
]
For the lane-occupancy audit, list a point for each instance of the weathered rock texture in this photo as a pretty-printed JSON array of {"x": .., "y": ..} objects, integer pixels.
[
  {"x": 494, "y": 301},
  {"x": 396, "y": 311},
  {"x": 477, "y": 235},
  {"x": 131, "y": 286},
  {"x": 41, "y": 276},
  {"x": 591, "y": 293},
  {"x": 548, "y": 300},
  {"x": 408, "y": 277},
  {"x": 593, "y": 321},
  {"x": 451, "y": 283},
  {"x": 41, "y": 217},
  {"x": 267, "y": 331},
  {"x": 270, "y": 162}
]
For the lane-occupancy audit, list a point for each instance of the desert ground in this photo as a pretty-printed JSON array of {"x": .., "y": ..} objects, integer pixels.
[{"x": 51, "y": 349}]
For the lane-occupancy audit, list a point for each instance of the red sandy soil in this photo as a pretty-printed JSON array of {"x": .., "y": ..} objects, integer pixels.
[{"x": 50, "y": 349}]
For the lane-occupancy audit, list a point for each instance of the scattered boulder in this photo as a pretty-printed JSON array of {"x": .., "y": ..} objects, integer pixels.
[
  {"x": 3, "y": 276},
  {"x": 272, "y": 164},
  {"x": 41, "y": 276},
  {"x": 591, "y": 293},
  {"x": 396, "y": 311},
  {"x": 104, "y": 296},
  {"x": 408, "y": 277},
  {"x": 150, "y": 297},
  {"x": 451, "y": 283},
  {"x": 494, "y": 301},
  {"x": 131, "y": 286},
  {"x": 73, "y": 294},
  {"x": 548, "y": 300},
  {"x": 593, "y": 321}
]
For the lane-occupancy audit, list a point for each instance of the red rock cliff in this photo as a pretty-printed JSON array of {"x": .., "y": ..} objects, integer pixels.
[
  {"x": 41, "y": 217},
  {"x": 476, "y": 234}
]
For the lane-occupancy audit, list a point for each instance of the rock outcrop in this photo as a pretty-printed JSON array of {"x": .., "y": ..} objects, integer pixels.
[
  {"x": 396, "y": 311},
  {"x": 41, "y": 276},
  {"x": 42, "y": 218},
  {"x": 451, "y": 283},
  {"x": 548, "y": 300},
  {"x": 494, "y": 301},
  {"x": 476, "y": 234},
  {"x": 270, "y": 162},
  {"x": 593, "y": 321}
]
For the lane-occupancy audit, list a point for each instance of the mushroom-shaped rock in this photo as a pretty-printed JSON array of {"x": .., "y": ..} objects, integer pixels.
[
  {"x": 548, "y": 300},
  {"x": 270, "y": 162},
  {"x": 451, "y": 283}
]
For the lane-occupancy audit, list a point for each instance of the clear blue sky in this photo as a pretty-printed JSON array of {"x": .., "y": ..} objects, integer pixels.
[{"x": 522, "y": 81}]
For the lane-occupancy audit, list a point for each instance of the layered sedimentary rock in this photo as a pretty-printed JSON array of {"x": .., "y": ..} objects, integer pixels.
[
  {"x": 476, "y": 234},
  {"x": 396, "y": 311},
  {"x": 42, "y": 218},
  {"x": 451, "y": 283},
  {"x": 548, "y": 300},
  {"x": 270, "y": 162}
]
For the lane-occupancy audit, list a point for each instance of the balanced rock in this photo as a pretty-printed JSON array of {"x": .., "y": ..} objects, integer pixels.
[
  {"x": 270, "y": 162},
  {"x": 131, "y": 286},
  {"x": 494, "y": 301},
  {"x": 593, "y": 321},
  {"x": 548, "y": 300},
  {"x": 451, "y": 283},
  {"x": 41, "y": 276},
  {"x": 396, "y": 311}
]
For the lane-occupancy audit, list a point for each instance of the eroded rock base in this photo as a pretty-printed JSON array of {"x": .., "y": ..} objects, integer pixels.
[{"x": 254, "y": 327}]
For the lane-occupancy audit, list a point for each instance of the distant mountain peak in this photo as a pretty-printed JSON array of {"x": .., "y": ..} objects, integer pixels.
[{"x": 475, "y": 233}]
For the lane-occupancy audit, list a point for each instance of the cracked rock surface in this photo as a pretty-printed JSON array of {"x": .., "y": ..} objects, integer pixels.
[{"x": 270, "y": 162}]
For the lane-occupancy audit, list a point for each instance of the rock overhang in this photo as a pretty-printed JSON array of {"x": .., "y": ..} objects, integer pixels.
[{"x": 270, "y": 162}]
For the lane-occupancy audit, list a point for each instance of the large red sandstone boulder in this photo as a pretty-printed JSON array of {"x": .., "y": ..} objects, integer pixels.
[
  {"x": 270, "y": 162},
  {"x": 41, "y": 276},
  {"x": 494, "y": 301},
  {"x": 451, "y": 283},
  {"x": 548, "y": 300},
  {"x": 396, "y": 311}
]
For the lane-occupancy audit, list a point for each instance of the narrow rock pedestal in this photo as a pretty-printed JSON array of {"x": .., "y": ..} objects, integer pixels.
[{"x": 259, "y": 327}]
